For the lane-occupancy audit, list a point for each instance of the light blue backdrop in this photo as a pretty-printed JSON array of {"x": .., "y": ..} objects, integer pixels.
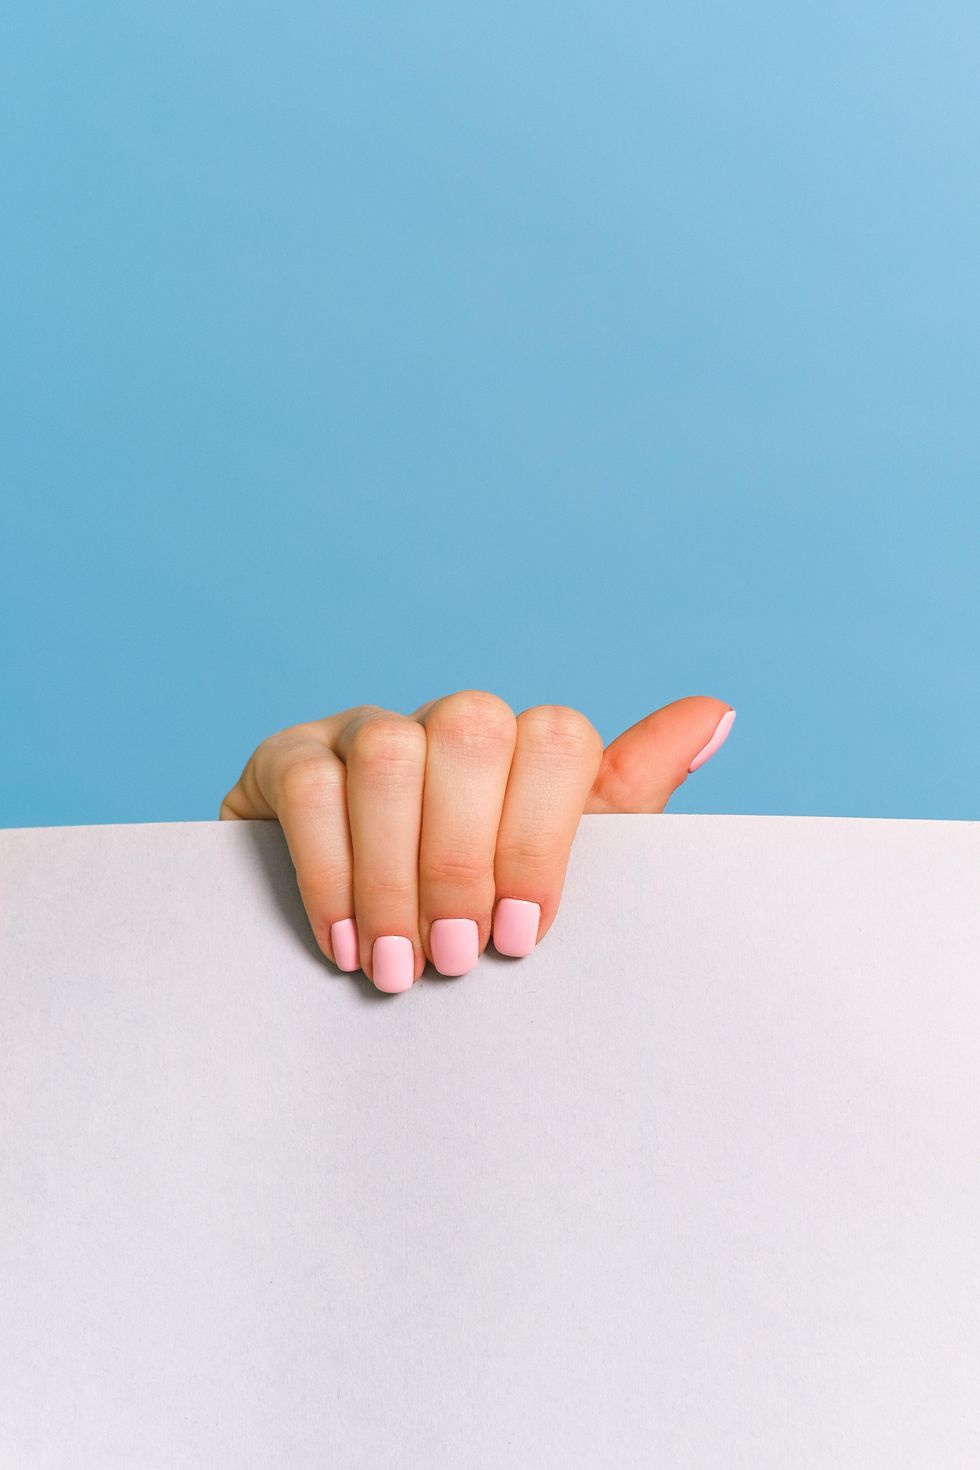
[{"x": 593, "y": 353}]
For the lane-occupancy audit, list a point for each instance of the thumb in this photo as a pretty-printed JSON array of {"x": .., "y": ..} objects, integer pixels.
[{"x": 644, "y": 766}]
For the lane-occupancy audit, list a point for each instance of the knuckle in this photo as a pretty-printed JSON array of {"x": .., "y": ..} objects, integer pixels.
[
  {"x": 386, "y": 740},
  {"x": 325, "y": 880},
  {"x": 530, "y": 852},
  {"x": 475, "y": 721},
  {"x": 387, "y": 895},
  {"x": 279, "y": 743},
  {"x": 308, "y": 780},
  {"x": 457, "y": 870},
  {"x": 557, "y": 729},
  {"x": 361, "y": 711}
]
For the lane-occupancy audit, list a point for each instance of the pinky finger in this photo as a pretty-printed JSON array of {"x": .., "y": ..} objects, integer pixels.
[
  {"x": 312, "y": 809},
  {"x": 304, "y": 784}
]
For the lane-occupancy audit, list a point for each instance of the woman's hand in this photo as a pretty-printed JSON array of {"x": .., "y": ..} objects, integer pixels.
[{"x": 409, "y": 831}]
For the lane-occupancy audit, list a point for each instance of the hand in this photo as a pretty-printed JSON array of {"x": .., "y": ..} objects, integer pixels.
[{"x": 405, "y": 830}]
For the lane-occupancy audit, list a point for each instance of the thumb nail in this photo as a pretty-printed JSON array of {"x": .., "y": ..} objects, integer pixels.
[{"x": 717, "y": 740}]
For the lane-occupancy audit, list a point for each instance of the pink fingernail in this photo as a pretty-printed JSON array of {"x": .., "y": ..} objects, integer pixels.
[
  {"x": 717, "y": 740},
  {"x": 515, "y": 926},
  {"x": 393, "y": 963},
  {"x": 455, "y": 945},
  {"x": 346, "y": 950}
]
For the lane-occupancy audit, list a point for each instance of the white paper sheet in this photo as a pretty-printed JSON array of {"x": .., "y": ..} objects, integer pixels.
[{"x": 695, "y": 1185}]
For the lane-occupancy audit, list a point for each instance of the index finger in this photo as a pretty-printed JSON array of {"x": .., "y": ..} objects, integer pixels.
[{"x": 556, "y": 760}]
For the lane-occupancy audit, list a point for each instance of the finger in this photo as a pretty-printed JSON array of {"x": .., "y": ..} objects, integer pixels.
[
  {"x": 384, "y": 753},
  {"x": 295, "y": 777},
  {"x": 644, "y": 766},
  {"x": 556, "y": 758},
  {"x": 246, "y": 801},
  {"x": 470, "y": 739}
]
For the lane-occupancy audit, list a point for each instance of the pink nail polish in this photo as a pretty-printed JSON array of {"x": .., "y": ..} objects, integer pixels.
[
  {"x": 717, "y": 740},
  {"x": 393, "y": 962},
  {"x": 455, "y": 945},
  {"x": 515, "y": 926},
  {"x": 346, "y": 951}
]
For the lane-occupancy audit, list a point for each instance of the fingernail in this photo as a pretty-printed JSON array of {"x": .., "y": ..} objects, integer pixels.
[
  {"x": 393, "y": 963},
  {"x": 716, "y": 742},
  {"x": 455, "y": 945},
  {"x": 515, "y": 926},
  {"x": 346, "y": 951}
]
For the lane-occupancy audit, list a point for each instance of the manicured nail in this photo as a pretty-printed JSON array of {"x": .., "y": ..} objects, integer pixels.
[
  {"x": 455, "y": 945},
  {"x": 515, "y": 926},
  {"x": 716, "y": 742},
  {"x": 346, "y": 952},
  {"x": 393, "y": 963}
]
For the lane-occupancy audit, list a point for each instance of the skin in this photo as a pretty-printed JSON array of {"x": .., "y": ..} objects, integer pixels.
[{"x": 398, "y": 820}]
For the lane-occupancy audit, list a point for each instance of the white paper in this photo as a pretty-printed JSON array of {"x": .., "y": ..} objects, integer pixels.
[{"x": 697, "y": 1184}]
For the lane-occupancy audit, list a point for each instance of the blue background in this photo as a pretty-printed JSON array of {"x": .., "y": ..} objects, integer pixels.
[{"x": 589, "y": 353}]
